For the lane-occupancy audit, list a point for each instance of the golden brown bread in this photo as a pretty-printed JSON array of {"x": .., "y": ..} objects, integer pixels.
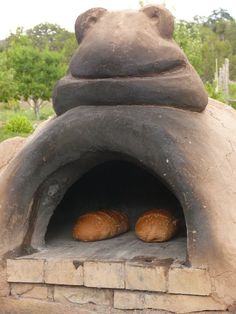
[
  {"x": 156, "y": 225},
  {"x": 100, "y": 225}
]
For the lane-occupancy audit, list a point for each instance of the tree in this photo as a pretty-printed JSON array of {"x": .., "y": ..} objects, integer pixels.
[
  {"x": 230, "y": 34},
  {"x": 188, "y": 37},
  {"x": 34, "y": 61},
  {"x": 141, "y": 3},
  {"x": 213, "y": 48},
  {"x": 232, "y": 68},
  {"x": 36, "y": 72},
  {"x": 69, "y": 48},
  {"x": 51, "y": 36},
  {"x": 2, "y": 45},
  {"x": 218, "y": 22},
  {"x": 8, "y": 86},
  {"x": 217, "y": 17},
  {"x": 18, "y": 38},
  {"x": 54, "y": 38},
  {"x": 207, "y": 39}
]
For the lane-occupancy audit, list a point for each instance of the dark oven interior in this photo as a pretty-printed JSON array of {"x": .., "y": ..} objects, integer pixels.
[{"x": 114, "y": 184}]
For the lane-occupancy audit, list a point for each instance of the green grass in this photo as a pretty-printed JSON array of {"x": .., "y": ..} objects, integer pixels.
[
  {"x": 232, "y": 94},
  {"x": 7, "y": 114},
  {"x": 4, "y": 134},
  {"x": 232, "y": 90}
]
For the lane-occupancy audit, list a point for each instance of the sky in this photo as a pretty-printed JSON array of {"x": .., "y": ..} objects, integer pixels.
[{"x": 28, "y": 13}]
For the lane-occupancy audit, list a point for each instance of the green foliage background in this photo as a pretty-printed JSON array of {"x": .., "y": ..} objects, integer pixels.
[{"x": 207, "y": 39}]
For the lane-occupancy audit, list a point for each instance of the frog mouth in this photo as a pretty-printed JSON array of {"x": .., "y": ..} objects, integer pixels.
[
  {"x": 155, "y": 69},
  {"x": 171, "y": 84},
  {"x": 162, "y": 69}
]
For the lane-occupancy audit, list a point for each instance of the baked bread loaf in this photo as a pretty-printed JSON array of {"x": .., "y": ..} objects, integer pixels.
[
  {"x": 156, "y": 225},
  {"x": 100, "y": 225}
]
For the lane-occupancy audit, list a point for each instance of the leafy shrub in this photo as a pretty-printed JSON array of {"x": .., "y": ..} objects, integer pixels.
[{"x": 19, "y": 124}]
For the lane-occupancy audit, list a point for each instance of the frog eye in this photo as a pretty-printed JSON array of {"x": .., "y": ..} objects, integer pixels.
[
  {"x": 162, "y": 18},
  {"x": 86, "y": 20}
]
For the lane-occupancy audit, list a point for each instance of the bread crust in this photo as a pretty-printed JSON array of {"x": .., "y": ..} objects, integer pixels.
[
  {"x": 156, "y": 225},
  {"x": 100, "y": 225}
]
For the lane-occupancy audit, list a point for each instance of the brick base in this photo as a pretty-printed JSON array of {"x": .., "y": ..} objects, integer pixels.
[
  {"x": 61, "y": 286},
  {"x": 158, "y": 276},
  {"x": 43, "y": 298}
]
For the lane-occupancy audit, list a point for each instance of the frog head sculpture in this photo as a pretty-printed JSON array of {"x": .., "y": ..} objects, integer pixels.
[{"x": 129, "y": 58}]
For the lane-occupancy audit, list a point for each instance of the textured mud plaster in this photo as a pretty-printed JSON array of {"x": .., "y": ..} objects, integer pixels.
[
  {"x": 197, "y": 172},
  {"x": 9, "y": 149},
  {"x": 132, "y": 95}
]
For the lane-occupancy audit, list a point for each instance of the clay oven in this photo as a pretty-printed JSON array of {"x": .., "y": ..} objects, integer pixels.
[{"x": 135, "y": 130}]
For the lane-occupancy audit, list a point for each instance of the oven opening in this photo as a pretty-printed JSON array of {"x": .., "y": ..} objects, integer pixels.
[{"x": 124, "y": 186}]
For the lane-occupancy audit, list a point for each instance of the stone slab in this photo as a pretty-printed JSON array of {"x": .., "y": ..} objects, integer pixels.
[
  {"x": 31, "y": 306},
  {"x": 64, "y": 272},
  {"x": 122, "y": 248},
  {"x": 141, "y": 276},
  {"x": 185, "y": 280},
  {"x": 104, "y": 274},
  {"x": 26, "y": 290},
  {"x": 25, "y": 270},
  {"x": 83, "y": 295},
  {"x": 130, "y": 300}
]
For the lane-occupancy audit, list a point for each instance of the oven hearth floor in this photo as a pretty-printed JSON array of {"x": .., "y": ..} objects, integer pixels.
[{"x": 122, "y": 248}]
